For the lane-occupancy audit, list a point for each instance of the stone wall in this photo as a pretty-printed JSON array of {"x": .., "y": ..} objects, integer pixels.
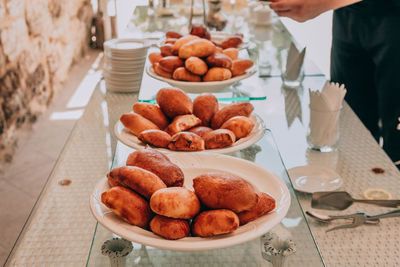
[{"x": 39, "y": 41}]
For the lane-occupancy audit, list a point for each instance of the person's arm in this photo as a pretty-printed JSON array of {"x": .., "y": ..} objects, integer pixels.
[{"x": 302, "y": 10}]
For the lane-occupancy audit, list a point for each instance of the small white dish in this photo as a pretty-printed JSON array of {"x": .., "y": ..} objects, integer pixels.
[
  {"x": 192, "y": 166},
  {"x": 200, "y": 87},
  {"x": 310, "y": 179}
]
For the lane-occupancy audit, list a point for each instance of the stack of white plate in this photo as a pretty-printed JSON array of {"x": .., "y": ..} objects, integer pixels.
[{"x": 124, "y": 64}]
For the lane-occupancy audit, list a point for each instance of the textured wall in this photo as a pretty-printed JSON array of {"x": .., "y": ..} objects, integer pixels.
[{"x": 39, "y": 41}]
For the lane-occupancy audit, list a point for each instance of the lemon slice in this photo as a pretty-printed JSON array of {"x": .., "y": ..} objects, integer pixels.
[{"x": 376, "y": 193}]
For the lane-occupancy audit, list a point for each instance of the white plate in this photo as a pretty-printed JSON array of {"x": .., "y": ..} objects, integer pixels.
[
  {"x": 262, "y": 179},
  {"x": 199, "y": 87},
  {"x": 129, "y": 139},
  {"x": 310, "y": 179}
]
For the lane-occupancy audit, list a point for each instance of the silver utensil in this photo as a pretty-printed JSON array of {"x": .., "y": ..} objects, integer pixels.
[
  {"x": 340, "y": 200},
  {"x": 358, "y": 218}
]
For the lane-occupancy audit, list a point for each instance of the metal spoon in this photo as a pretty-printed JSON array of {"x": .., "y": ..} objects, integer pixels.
[
  {"x": 329, "y": 218},
  {"x": 340, "y": 200}
]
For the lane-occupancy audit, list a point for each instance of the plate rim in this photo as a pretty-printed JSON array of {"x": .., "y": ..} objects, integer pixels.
[
  {"x": 206, "y": 243},
  {"x": 323, "y": 168},
  {"x": 260, "y": 133}
]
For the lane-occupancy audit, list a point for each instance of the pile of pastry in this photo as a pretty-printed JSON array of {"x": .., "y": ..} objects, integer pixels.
[
  {"x": 149, "y": 193},
  {"x": 195, "y": 57},
  {"x": 178, "y": 123}
]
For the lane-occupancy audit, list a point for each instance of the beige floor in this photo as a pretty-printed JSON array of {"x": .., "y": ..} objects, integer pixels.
[{"x": 38, "y": 149}]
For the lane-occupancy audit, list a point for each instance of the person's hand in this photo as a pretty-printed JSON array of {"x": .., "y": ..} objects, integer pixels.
[{"x": 302, "y": 10}]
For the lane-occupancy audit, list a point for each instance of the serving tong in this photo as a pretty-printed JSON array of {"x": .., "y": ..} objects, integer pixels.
[{"x": 358, "y": 218}]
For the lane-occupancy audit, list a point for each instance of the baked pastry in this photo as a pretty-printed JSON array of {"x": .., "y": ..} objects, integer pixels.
[
  {"x": 239, "y": 66},
  {"x": 232, "y": 110},
  {"x": 217, "y": 74},
  {"x": 151, "y": 112},
  {"x": 170, "y": 63},
  {"x": 136, "y": 123},
  {"x": 173, "y": 34},
  {"x": 182, "y": 123},
  {"x": 219, "y": 138},
  {"x": 175, "y": 202},
  {"x": 157, "y": 163},
  {"x": 215, "y": 222},
  {"x": 167, "y": 50},
  {"x": 183, "y": 40},
  {"x": 196, "y": 65},
  {"x": 174, "y": 102},
  {"x": 155, "y": 138},
  {"x": 201, "y": 131},
  {"x": 169, "y": 228},
  {"x": 181, "y": 74},
  {"x": 221, "y": 190},
  {"x": 196, "y": 48},
  {"x": 219, "y": 60},
  {"x": 141, "y": 181},
  {"x": 155, "y": 57},
  {"x": 186, "y": 141},
  {"x": 265, "y": 204},
  {"x": 232, "y": 41},
  {"x": 171, "y": 40},
  {"x": 201, "y": 31},
  {"x": 233, "y": 53},
  {"x": 159, "y": 71},
  {"x": 127, "y": 205},
  {"x": 241, "y": 126},
  {"x": 204, "y": 107}
]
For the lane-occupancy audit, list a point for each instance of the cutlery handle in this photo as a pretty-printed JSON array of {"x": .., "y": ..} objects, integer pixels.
[
  {"x": 219, "y": 99},
  {"x": 392, "y": 203},
  {"x": 394, "y": 213}
]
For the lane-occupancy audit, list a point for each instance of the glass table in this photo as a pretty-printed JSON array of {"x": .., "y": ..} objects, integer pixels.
[{"x": 62, "y": 232}]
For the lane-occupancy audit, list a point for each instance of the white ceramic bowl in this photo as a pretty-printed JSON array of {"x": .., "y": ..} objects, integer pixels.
[{"x": 199, "y": 87}]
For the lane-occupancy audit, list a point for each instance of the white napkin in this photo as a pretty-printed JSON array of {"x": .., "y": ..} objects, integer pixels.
[
  {"x": 294, "y": 62},
  {"x": 324, "y": 114}
]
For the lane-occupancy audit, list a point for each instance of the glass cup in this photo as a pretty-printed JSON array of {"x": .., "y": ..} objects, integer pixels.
[
  {"x": 323, "y": 131},
  {"x": 291, "y": 78}
]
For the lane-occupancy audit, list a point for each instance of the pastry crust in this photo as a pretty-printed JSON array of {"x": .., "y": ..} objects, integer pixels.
[
  {"x": 265, "y": 204},
  {"x": 217, "y": 74},
  {"x": 175, "y": 202},
  {"x": 182, "y": 123},
  {"x": 170, "y": 63},
  {"x": 239, "y": 66},
  {"x": 140, "y": 180},
  {"x": 196, "y": 65},
  {"x": 186, "y": 141},
  {"x": 201, "y": 131},
  {"x": 174, "y": 102},
  {"x": 219, "y": 138},
  {"x": 136, "y": 123},
  {"x": 155, "y": 57},
  {"x": 233, "y": 53},
  {"x": 169, "y": 228},
  {"x": 196, "y": 48},
  {"x": 183, "y": 40},
  {"x": 181, "y": 74},
  {"x": 155, "y": 138},
  {"x": 241, "y": 126},
  {"x": 159, "y": 71},
  {"x": 127, "y": 205},
  {"x": 219, "y": 60},
  {"x": 204, "y": 107},
  {"x": 167, "y": 50},
  {"x": 232, "y": 110},
  {"x": 151, "y": 112},
  {"x": 173, "y": 34},
  {"x": 221, "y": 190},
  {"x": 215, "y": 222}
]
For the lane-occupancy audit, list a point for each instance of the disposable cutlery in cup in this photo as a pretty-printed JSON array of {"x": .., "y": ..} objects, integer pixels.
[{"x": 340, "y": 200}]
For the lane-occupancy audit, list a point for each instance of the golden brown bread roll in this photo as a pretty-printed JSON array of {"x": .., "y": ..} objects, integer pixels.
[
  {"x": 157, "y": 163},
  {"x": 217, "y": 74},
  {"x": 219, "y": 138},
  {"x": 196, "y": 48},
  {"x": 204, "y": 107},
  {"x": 155, "y": 57},
  {"x": 136, "y": 123},
  {"x": 140, "y": 180},
  {"x": 241, "y": 126},
  {"x": 215, "y": 222},
  {"x": 239, "y": 66},
  {"x": 174, "y": 102},
  {"x": 232, "y": 110},
  {"x": 175, "y": 202},
  {"x": 186, "y": 141},
  {"x": 151, "y": 112},
  {"x": 200, "y": 31},
  {"x": 265, "y": 204},
  {"x": 233, "y": 53},
  {"x": 171, "y": 40},
  {"x": 196, "y": 65},
  {"x": 218, "y": 50},
  {"x": 201, "y": 131},
  {"x": 167, "y": 50},
  {"x": 183, "y": 40},
  {"x": 157, "y": 69},
  {"x": 173, "y": 34},
  {"x": 181, "y": 74},
  {"x": 170, "y": 63},
  {"x": 127, "y": 205},
  {"x": 232, "y": 41},
  {"x": 219, "y": 60},
  {"x": 182, "y": 123},
  {"x": 155, "y": 138},
  {"x": 169, "y": 228},
  {"x": 221, "y": 190}
]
